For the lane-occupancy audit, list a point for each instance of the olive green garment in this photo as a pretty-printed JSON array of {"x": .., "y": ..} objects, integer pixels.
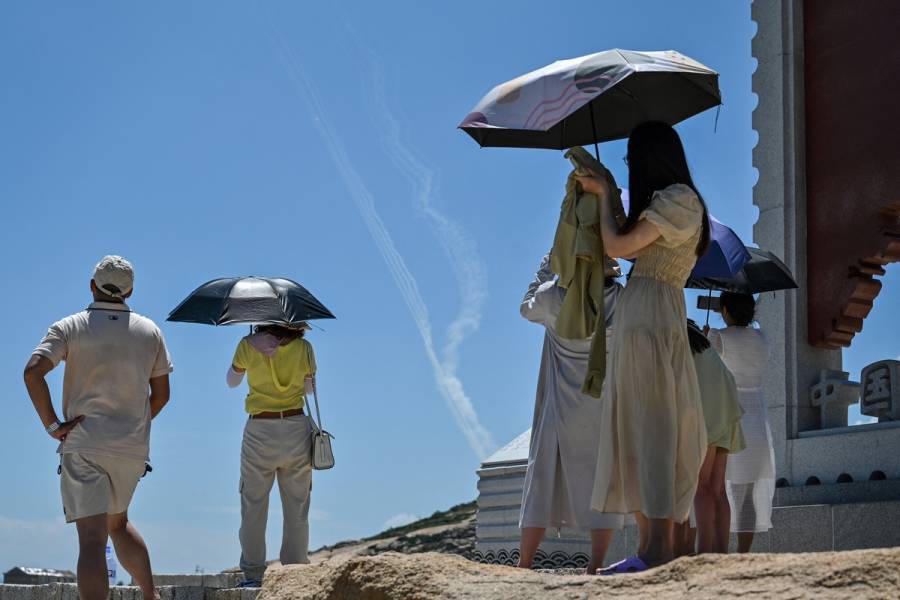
[
  {"x": 579, "y": 259},
  {"x": 721, "y": 410}
]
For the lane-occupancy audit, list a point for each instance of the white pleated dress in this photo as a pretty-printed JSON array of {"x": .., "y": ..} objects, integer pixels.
[
  {"x": 750, "y": 476},
  {"x": 563, "y": 451}
]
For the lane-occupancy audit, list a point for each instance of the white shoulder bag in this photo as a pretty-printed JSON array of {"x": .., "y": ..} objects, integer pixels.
[{"x": 322, "y": 454}]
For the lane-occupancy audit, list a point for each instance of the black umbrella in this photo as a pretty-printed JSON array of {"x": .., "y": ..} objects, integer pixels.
[
  {"x": 764, "y": 272},
  {"x": 260, "y": 300}
]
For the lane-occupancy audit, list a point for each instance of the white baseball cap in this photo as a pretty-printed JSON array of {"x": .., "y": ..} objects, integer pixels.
[{"x": 114, "y": 276}]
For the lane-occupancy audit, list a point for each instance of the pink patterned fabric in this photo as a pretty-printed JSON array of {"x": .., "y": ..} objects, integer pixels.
[{"x": 264, "y": 342}]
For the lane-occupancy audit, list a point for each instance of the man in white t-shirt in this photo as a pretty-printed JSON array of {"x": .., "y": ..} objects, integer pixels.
[{"x": 116, "y": 380}]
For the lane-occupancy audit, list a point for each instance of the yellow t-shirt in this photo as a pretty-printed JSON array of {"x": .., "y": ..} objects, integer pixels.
[{"x": 277, "y": 382}]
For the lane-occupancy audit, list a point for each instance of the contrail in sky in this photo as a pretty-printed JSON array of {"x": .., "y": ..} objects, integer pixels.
[{"x": 467, "y": 265}]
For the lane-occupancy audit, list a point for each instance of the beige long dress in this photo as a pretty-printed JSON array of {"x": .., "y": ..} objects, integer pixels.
[{"x": 652, "y": 435}]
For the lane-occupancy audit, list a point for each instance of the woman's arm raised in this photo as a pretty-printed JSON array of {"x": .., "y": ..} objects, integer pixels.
[{"x": 618, "y": 245}]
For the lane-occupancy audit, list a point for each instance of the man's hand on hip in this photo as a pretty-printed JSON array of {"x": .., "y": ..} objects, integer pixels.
[{"x": 64, "y": 429}]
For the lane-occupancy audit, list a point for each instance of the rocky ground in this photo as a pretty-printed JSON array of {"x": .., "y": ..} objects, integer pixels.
[
  {"x": 860, "y": 574},
  {"x": 428, "y": 560},
  {"x": 449, "y": 532}
]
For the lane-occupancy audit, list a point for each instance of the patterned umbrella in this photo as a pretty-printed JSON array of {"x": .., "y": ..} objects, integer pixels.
[
  {"x": 594, "y": 98},
  {"x": 250, "y": 300}
]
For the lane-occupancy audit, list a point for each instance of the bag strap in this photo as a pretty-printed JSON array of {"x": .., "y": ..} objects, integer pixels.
[
  {"x": 309, "y": 361},
  {"x": 318, "y": 418}
]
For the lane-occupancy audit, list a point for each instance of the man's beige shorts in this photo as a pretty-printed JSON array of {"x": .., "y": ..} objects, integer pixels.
[{"x": 93, "y": 484}]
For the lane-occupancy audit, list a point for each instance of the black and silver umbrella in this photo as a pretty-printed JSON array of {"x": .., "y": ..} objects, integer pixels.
[
  {"x": 764, "y": 272},
  {"x": 250, "y": 300}
]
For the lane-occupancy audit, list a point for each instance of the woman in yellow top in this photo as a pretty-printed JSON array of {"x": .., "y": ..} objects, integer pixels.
[
  {"x": 652, "y": 435},
  {"x": 280, "y": 367},
  {"x": 724, "y": 436}
]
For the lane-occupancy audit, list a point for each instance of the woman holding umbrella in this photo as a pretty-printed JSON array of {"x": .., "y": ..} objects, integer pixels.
[
  {"x": 652, "y": 434},
  {"x": 279, "y": 365},
  {"x": 280, "y": 368}
]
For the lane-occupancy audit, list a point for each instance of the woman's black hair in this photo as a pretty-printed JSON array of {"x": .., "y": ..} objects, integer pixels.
[
  {"x": 741, "y": 307},
  {"x": 284, "y": 334},
  {"x": 656, "y": 160},
  {"x": 699, "y": 342}
]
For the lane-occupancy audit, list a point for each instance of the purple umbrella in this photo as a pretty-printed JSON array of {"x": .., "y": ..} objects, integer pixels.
[{"x": 726, "y": 254}]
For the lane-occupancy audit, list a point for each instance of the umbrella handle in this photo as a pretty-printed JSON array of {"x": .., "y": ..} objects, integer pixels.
[
  {"x": 708, "y": 306},
  {"x": 594, "y": 131}
]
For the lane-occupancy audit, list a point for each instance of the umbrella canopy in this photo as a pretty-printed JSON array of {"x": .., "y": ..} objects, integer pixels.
[
  {"x": 594, "y": 98},
  {"x": 258, "y": 300},
  {"x": 763, "y": 273},
  {"x": 726, "y": 254}
]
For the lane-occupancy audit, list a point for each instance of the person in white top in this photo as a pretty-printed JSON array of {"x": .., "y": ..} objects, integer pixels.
[
  {"x": 116, "y": 380},
  {"x": 750, "y": 475}
]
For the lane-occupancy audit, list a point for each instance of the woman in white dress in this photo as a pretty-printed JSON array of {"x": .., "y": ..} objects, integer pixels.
[
  {"x": 652, "y": 434},
  {"x": 563, "y": 451},
  {"x": 750, "y": 475}
]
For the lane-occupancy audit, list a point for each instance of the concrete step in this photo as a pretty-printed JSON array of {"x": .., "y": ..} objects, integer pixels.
[
  {"x": 69, "y": 591},
  {"x": 211, "y": 580}
]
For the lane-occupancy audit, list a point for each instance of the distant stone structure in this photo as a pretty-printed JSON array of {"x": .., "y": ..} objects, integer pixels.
[
  {"x": 500, "y": 482},
  {"x": 828, "y": 206},
  {"x": 35, "y": 576}
]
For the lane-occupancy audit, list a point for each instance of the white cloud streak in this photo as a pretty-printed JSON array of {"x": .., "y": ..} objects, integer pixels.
[{"x": 467, "y": 265}]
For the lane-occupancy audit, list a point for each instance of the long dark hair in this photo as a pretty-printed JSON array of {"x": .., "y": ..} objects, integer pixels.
[{"x": 655, "y": 161}]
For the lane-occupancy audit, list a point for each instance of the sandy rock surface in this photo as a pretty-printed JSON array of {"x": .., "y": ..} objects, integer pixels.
[
  {"x": 392, "y": 576},
  {"x": 449, "y": 532}
]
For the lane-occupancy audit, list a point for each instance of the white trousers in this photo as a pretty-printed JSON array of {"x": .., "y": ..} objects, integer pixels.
[{"x": 275, "y": 448}]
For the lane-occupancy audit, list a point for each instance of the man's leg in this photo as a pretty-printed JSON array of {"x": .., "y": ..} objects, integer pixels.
[
  {"x": 600, "y": 541},
  {"x": 531, "y": 540},
  {"x": 93, "y": 580},
  {"x": 132, "y": 553}
]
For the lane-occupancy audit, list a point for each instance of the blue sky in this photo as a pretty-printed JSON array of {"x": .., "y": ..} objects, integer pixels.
[{"x": 210, "y": 139}]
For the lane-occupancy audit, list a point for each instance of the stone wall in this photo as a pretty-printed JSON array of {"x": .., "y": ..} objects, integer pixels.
[{"x": 69, "y": 591}]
